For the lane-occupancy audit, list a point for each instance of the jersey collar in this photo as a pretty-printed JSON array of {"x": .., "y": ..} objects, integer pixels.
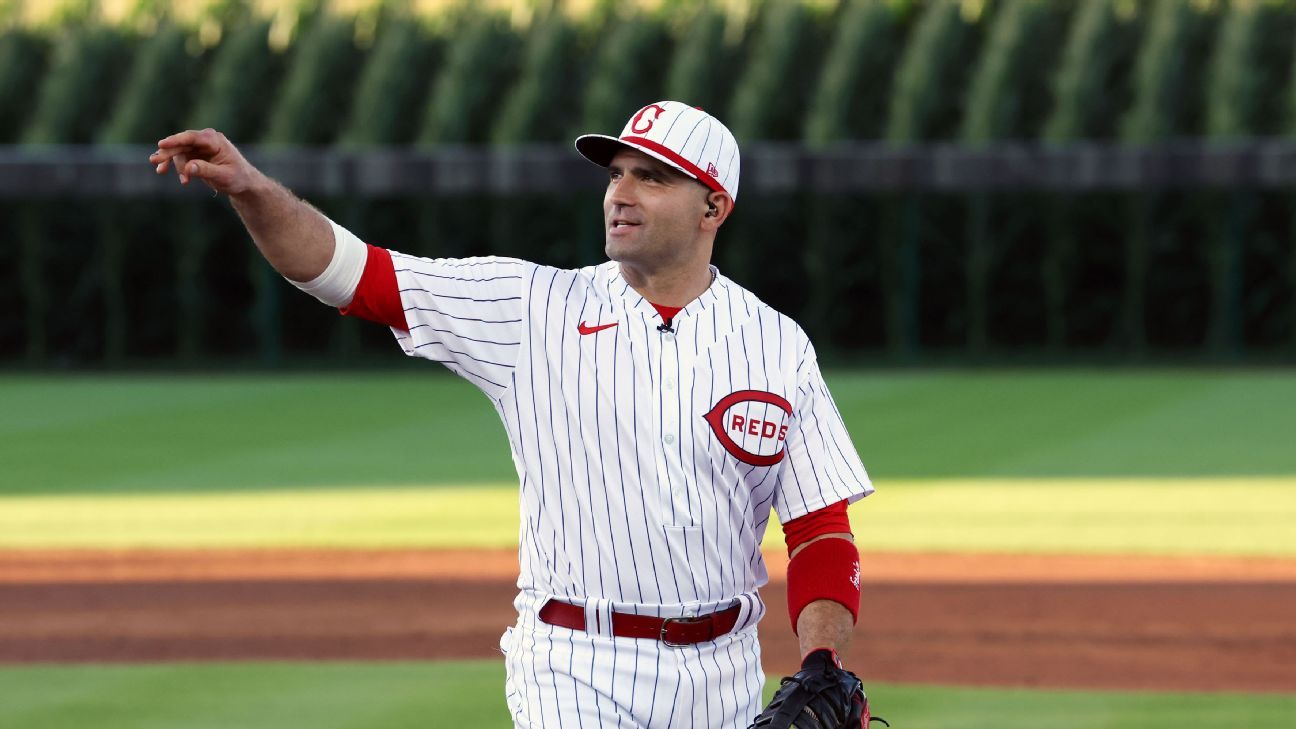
[{"x": 618, "y": 289}]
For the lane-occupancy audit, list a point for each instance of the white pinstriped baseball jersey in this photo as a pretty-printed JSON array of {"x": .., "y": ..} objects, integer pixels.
[{"x": 648, "y": 460}]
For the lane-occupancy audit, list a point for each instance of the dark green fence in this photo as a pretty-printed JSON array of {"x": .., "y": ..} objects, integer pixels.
[{"x": 930, "y": 254}]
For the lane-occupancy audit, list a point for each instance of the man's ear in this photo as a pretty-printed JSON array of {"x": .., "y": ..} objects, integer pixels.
[{"x": 718, "y": 207}]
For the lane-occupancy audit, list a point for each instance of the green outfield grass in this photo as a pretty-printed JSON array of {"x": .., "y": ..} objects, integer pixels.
[
  {"x": 1239, "y": 516},
  {"x": 119, "y": 434},
  {"x": 470, "y": 694},
  {"x": 1153, "y": 462}
]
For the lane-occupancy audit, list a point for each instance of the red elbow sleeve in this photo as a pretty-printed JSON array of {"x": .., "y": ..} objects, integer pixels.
[
  {"x": 377, "y": 296},
  {"x": 832, "y": 519},
  {"x": 828, "y": 569}
]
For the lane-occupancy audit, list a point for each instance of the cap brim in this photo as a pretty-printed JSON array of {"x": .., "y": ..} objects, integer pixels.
[{"x": 600, "y": 149}]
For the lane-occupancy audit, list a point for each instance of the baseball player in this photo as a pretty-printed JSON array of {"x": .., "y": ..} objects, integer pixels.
[{"x": 656, "y": 412}]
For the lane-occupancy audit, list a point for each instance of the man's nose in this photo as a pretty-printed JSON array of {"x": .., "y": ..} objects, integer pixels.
[{"x": 622, "y": 192}]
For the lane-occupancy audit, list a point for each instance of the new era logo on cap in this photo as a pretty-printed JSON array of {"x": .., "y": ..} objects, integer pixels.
[{"x": 680, "y": 135}]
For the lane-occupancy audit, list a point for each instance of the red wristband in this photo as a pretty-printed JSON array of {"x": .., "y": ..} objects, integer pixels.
[{"x": 828, "y": 569}]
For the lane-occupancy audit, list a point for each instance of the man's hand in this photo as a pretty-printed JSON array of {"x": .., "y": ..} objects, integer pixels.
[
  {"x": 208, "y": 156},
  {"x": 293, "y": 236}
]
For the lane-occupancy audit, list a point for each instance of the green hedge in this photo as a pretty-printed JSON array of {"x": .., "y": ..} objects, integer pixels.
[
  {"x": 627, "y": 73},
  {"x": 391, "y": 89},
  {"x": 1090, "y": 87},
  {"x": 157, "y": 92},
  {"x": 75, "y": 95},
  {"x": 1250, "y": 72},
  {"x": 244, "y": 73},
  {"x": 538, "y": 108},
  {"x": 706, "y": 61},
  {"x": 481, "y": 62},
  {"x": 1168, "y": 73},
  {"x": 850, "y": 98},
  {"x": 897, "y": 275},
  {"x": 1009, "y": 95},
  {"x": 931, "y": 79},
  {"x": 901, "y": 70},
  {"x": 771, "y": 96},
  {"x": 23, "y": 56},
  {"x": 315, "y": 98}
]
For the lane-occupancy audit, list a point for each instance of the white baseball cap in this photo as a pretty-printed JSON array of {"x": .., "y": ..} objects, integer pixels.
[{"x": 684, "y": 137}]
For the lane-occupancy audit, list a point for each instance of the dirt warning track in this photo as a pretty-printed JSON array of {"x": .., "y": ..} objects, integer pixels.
[{"x": 1092, "y": 622}]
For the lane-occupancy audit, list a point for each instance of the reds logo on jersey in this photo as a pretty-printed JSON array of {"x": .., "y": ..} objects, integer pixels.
[{"x": 751, "y": 425}]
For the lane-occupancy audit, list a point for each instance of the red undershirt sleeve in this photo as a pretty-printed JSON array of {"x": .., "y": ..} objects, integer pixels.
[
  {"x": 831, "y": 519},
  {"x": 377, "y": 296}
]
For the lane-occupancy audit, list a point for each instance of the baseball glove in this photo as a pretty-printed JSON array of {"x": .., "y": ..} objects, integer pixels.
[{"x": 822, "y": 695}]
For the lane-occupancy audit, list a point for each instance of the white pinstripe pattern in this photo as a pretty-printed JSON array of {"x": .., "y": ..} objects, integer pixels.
[{"x": 628, "y": 496}]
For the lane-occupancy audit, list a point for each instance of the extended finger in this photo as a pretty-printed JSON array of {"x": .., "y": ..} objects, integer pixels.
[
  {"x": 162, "y": 155},
  {"x": 179, "y": 139},
  {"x": 161, "y": 166},
  {"x": 180, "y": 161},
  {"x": 202, "y": 140}
]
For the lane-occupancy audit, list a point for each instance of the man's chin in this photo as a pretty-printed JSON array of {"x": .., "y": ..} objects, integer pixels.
[{"x": 620, "y": 250}]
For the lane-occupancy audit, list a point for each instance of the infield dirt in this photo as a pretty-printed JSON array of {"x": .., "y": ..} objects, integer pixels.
[{"x": 1067, "y": 621}]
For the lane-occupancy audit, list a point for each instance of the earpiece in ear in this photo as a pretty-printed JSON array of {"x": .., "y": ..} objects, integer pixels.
[{"x": 711, "y": 213}]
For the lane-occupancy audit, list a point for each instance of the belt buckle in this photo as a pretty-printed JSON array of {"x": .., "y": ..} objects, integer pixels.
[{"x": 687, "y": 620}]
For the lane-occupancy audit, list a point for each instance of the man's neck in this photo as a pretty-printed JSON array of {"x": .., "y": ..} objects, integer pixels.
[{"x": 674, "y": 287}]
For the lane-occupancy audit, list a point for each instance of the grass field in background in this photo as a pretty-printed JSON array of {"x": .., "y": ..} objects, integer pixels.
[
  {"x": 470, "y": 694},
  {"x": 1239, "y": 516},
  {"x": 1168, "y": 462},
  {"x": 1071, "y": 461},
  {"x": 113, "y": 434}
]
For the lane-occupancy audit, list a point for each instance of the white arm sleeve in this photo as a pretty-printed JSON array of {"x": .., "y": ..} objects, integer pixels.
[
  {"x": 337, "y": 284},
  {"x": 467, "y": 313}
]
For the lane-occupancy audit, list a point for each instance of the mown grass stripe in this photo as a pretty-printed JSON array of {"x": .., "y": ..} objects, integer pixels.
[
  {"x": 1224, "y": 516},
  {"x": 397, "y": 695},
  {"x": 137, "y": 434}
]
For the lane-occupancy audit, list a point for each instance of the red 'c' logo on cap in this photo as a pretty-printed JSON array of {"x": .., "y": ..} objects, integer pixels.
[
  {"x": 648, "y": 123},
  {"x": 752, "y": 425}
]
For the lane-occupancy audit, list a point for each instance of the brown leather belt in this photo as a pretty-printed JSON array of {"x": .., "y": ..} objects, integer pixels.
[{"x": 674, "y": 632}]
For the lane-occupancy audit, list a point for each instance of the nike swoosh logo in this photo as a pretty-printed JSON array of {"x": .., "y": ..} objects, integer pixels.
[{"x": 584, "y": 328}]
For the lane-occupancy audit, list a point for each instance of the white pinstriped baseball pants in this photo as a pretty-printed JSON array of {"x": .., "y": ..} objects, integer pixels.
[{"x": 572, "y": 679}]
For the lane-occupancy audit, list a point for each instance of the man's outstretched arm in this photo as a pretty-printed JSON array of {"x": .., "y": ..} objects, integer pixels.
[{"x": 293, "y": 236}]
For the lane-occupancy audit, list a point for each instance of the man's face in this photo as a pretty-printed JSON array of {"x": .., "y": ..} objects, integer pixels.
[{"x": 651, "y": 210}]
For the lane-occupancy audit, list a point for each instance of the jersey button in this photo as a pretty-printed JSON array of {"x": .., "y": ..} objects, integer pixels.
[
  {"x": 669, "y": 439},
  {"x": 670, "y": 384}
]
